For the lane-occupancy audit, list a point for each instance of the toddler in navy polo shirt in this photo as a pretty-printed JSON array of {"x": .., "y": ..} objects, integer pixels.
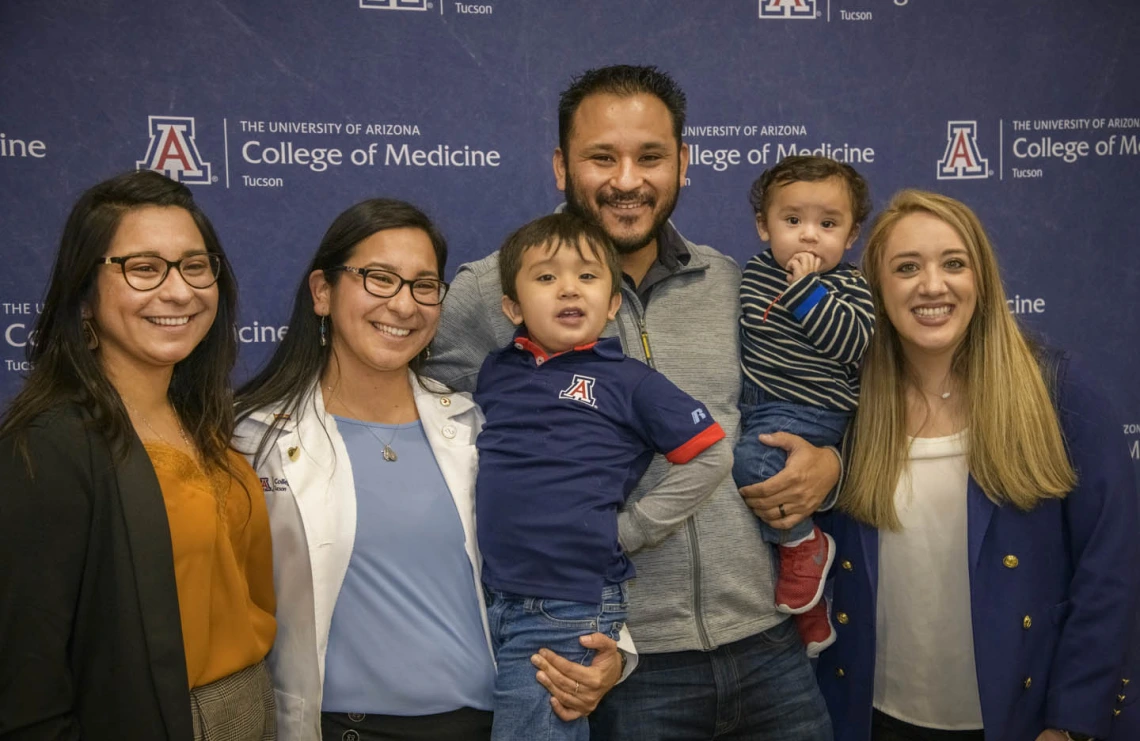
[
  {"x": 571, "y": 425},
  {"x": 806, "y": 320}
]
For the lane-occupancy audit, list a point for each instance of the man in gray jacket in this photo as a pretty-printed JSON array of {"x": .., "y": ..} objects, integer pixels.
[{"x": 715, "y": 655}]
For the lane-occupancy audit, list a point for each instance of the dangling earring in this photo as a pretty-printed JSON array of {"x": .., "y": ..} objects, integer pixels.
[
  {"x": 89, "y": 335},
  {"x": 324, "y": 332},
  {"x": 427, "y": 353}
]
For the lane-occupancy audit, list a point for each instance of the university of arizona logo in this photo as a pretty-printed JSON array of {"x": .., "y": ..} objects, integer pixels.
[
  {"x": 962, "y": 160},
  {"x": 395, "y": 4},
  {"x": 580, "y": 389},
  {"x": 265, "y": 485},
  {"x": 787, "y": 9},
  {"x": 172, "y": 150}
]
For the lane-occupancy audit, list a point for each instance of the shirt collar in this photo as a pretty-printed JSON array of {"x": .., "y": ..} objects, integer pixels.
[
  {"x": 672, "y": 252},
  {"x": 608, "y": 348}
]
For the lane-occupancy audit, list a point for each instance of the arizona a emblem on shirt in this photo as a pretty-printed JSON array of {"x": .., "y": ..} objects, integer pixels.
[{"x": 580, "y": 389}]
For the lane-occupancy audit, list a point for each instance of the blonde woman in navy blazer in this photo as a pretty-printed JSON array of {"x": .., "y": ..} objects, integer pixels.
[{"x": 1050, "y": 507}]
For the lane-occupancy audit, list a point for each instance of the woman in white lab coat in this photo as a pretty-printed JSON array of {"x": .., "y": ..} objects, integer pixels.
[{"x": 369, "y": 471}]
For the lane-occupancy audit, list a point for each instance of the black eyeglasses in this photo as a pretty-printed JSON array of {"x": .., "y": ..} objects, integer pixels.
[
  {"x": 147, "y": 272},
  {"x": 386, "y": 284}
]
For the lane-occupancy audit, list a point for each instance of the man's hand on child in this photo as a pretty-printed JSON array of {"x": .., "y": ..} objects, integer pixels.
[
  {"x": 801, "y": 264},
  {"x": 576, "y": 690},
  {"x": 799, "y": 489}
]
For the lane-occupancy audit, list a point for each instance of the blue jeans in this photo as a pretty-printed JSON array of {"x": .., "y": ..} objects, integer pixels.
[
  {"x": 753, "y": 462},
  {"x": 758, "y": 688},
  {"x": 522, "y": 625}
]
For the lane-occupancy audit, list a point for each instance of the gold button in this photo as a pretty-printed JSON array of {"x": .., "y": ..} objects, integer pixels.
[
  {"x": 1124, "y": 682},
  {"x": 839, "y": 672},
  {"x": 1115, "y": 712},
  {"x": 294, "y": 453},
  {"x": 1028, "y": 682},
  {"x": 842, "y": 618},
  {"x": 1120, "y": 698},
  {"x": 1010, "y": 562},
  {"x": 443, "y": 400},
  {"x": 846, "y": 565},
  {"x": 1027, "y": 622}
]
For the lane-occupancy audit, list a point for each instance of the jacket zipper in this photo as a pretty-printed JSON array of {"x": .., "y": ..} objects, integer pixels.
[
  {"x": 645, "y": 342},
  {"x": 690, "y": 526}
]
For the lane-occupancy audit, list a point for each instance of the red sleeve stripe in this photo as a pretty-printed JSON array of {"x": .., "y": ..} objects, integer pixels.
[{"x": 697, "y": 445}]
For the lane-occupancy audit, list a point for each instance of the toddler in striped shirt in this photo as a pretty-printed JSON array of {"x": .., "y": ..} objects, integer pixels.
[{"x": 806, "y": 320}]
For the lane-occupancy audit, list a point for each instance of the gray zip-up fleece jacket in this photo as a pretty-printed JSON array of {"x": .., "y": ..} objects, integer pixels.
[{"x": 704, "y": 579}]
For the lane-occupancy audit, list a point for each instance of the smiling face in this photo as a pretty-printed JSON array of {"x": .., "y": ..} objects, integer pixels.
[
  {"x": 809, "y": 216},
  {"x": 565, "y": 296},
  {"x": 141, "y": 331},
  {"x": 379, "y": 335},
  {"x": 927, "y": 285},
  {"x": 623, "y": 167}
]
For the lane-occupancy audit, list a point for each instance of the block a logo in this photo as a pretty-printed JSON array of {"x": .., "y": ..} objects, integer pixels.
[
  {"x": 395, "y": 4},
  {"x": 962, "y": 160},
  {"x": 172, "y": 151},
  {"x": 581, "y": 389},
  {"x": 788, "y": 9}
]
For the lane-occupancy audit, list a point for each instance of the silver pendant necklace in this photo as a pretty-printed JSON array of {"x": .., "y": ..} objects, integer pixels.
[{"x": 387, "y": 453}]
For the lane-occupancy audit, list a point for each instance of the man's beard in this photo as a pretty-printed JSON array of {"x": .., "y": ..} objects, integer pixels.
[{"x": 591, "y": 210}]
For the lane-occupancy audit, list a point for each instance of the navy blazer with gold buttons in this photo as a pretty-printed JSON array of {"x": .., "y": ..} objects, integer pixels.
[{"x": 1053, "y": 595}]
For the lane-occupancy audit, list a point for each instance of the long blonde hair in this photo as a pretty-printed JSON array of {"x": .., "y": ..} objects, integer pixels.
[{"x": 1016, "y": 451}]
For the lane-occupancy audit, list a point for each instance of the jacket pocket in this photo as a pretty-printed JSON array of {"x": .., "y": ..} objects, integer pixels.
[
  {"x": 1059, "y": 612},
  {"x": 291, "y": 718}
]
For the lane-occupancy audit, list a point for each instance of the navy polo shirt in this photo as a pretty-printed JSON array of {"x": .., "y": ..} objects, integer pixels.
[{"x": 566, "y": 439}]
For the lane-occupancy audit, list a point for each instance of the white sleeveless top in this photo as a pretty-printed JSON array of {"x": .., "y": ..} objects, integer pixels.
[{"x": 924, "y": 655}]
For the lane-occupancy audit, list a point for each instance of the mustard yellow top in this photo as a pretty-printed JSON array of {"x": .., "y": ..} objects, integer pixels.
[{"x": 223, "y": 562}]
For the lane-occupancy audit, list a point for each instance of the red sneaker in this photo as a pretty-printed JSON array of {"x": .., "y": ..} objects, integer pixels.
[
  {"x": 802, "y": 571},
  {"x": 815, "y": 629}
]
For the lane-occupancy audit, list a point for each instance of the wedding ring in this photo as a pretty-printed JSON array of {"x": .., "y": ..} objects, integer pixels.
[
  {"x": 575, "y": 688},
  {"x": 782, "y": 512}
]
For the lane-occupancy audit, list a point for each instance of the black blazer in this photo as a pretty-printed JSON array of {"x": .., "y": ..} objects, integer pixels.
[{"x": 90, "y": 633}]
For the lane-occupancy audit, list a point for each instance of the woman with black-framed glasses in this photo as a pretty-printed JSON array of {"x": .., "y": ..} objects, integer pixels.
[
  {"x": 372, "y": 470},
  {"x": 136, "y": 593}
]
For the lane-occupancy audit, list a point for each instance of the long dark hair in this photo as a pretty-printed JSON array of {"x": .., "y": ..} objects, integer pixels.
[
  {"x": 65, "y": 371},
  {"x": 300, "y": 358}
]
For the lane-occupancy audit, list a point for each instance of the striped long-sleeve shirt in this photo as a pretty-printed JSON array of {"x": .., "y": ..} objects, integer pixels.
[{"x": 803, "y": 342}]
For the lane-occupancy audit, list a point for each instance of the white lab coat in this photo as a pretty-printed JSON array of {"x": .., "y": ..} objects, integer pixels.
[{"x": 311, "y": 499}]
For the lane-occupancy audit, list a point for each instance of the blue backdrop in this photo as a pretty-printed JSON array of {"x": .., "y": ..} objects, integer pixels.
[{"x": 281, "y": 114}]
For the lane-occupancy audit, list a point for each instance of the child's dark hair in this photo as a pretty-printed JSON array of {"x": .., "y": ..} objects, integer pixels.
[
  {"x": 557, "y": 231},
  {"x": 804, "y": 168}
]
